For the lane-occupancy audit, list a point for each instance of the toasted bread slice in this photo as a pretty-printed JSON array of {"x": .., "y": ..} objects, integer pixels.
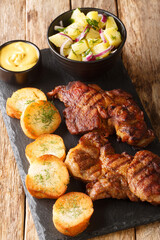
[
  {"x": 38, "y": 118},
  {"x": 46, "y": 144},
  {"x": 21, "y": 98},
  {"x": 72, "y": 212},
  {"x": 47, "y": 177}
]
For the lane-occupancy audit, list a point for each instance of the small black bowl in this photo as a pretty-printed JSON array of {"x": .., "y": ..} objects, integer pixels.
[
  {"x": 85, "y": 70},
  {"x": 21, "y": 77}
]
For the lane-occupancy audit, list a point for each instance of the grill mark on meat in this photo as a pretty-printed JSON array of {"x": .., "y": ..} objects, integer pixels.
[
  {"x": 135, "y": 162},
  {"x": 91, "y": 95},
  {"x": 149, "y": 189},
  {"x": 140, "y": 170},
  {"x": 111, "y": 159},
  {"x": 150, "y": 173},
  {"x": 121, "y": 164},
  {"x": 83, "y": 98},
  {"x": 86, "y": 96}
]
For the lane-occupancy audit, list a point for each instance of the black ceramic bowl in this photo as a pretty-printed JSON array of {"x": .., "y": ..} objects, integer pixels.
[
  {"x": 85, "y": 70},
  {"x": 21, "y": 77}
]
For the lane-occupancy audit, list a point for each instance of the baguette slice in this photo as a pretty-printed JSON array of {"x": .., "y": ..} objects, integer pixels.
[
  {"x": 72, "y": 212},
  {"x": 46, "y": 144},
  {"x": 47, "y": 177},
  {"x": 21, "y": 98},
  {"x": 38, "y": 118}
]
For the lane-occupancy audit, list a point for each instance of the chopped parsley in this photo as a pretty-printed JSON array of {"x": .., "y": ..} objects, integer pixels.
[
  {"x": 87, "y": 52},
  {"x": 43, "y": 147},
  {"x": 29, "y": 101},
  {"x": 45, "y": 115},
  {"x": 93, "y": 23},
  {"x": 47, "y": 174},
  {"x": 39, "y": 178},
  {"x": 113, "y": 37},
  {"x": 60, "y": 29},
  {"x": 70, "y": 21}
]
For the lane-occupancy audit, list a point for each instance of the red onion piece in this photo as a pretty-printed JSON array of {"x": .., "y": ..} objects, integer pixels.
[
  {"x": 63, "y": 46},
  {"x": 83, "y": 34},
  {"x": 103, "y": 18},
  {"x": 105, "y": 51},
  {"x": 102, "y": 35},
  {"x": 66, "y": 36},
  {"x": 89, "y": 56}
]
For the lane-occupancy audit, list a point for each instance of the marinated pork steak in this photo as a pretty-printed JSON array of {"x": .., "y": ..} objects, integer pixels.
[
  {"x": 84, "y": 160},
  {"x": 89, "y": 108},
  {"x": 127, "y": 177}
]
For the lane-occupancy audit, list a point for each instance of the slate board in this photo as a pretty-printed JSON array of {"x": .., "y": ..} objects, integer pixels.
[{"x": 110, "y": 215}]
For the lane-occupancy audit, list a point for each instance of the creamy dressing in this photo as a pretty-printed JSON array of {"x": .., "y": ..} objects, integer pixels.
[{"x": 18, "y": 56}]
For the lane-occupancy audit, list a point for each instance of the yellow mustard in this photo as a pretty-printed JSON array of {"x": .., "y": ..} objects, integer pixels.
[{"x": 18, "y": 56}]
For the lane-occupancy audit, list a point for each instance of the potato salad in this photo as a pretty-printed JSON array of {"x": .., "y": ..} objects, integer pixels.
[{"x": 88, "y": 38}]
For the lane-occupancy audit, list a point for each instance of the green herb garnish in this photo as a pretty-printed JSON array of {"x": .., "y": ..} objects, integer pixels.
[
  {"x": 60, "y": 29},
  {"x": 113, "y": 37},
  {"x": 93, "y": 23},
  {"x": 39, "y": 178},
  {"x": 29, "y": 101},
  {"x": 87, "y": 52},
  {"x": 45, "y": 115},
  {"x": 44, "y": 148}
]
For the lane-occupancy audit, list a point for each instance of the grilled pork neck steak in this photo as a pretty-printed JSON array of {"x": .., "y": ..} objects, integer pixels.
[
  {"x": 84, "y": 160},
  {"x": 111, "y": 175},
  {"x": 90, "y": 108}
]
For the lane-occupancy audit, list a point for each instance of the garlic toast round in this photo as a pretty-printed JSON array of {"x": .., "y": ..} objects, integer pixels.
[
  {"x": 72, "y": 212},
  {"x": 47, "y": 177},
  {"x": 38, "y": 118},
  {"x": 21, "y": 98},
  {"x": 46, "y": 144}
]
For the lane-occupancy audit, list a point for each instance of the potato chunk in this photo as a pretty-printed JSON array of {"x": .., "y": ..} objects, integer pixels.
[
  {"x": 58, "y": 40},
  {"x": 100, "y": 48},
  {"x": 113, "y": 36},
  {"x": 80, "y": 47},
  {"x": 74, "y": 30},
  {"x": 94, "y": 34},
  {"x": 93, "y": 15},
  {"x": 79, "y": 17},
  {"x": 74, "y": 56},
  {"x": 111, "y": 23}
]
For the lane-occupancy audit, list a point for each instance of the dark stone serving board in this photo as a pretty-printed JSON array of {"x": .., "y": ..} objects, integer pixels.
[{"x": 110, "y": 215}]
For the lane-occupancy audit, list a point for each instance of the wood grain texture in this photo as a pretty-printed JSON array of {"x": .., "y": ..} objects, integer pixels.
[
  {"x": 121, "y": 235},
  {"x": 148, "y": 232},
  {"x": 12, "y": 20},
  {"x": 141, "y": 58},
  {"x": 141, "y": 52},
  {"x": 109, "y": 5},
  {"x": 12, "y": 195},
  {"x": 39, "y": 15},
  {"x": 30, "y": 230}
]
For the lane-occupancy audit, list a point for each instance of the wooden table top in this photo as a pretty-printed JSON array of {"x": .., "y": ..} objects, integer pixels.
[{"x": 29, "y": 19}]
